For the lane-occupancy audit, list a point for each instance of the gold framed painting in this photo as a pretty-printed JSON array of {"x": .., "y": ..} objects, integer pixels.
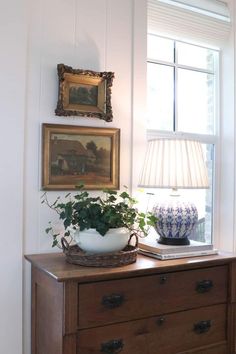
[
  {"x": 75, "y": 155},
  {"x": 84, "y": 93}
]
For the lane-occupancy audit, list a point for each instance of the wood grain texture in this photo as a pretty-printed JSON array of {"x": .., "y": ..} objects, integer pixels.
[
  {"x": 70, "y": 307},
  {"x": 173, "y": 335},
  {"x": 233, "y": 282},
  {"x": 219, "y": 348},
  {"x": 55, "y": 265},
  {"x": 148, "y": 295},
  {"x": 70, "y": 344},
  {"x": 47, "y": 317},
  {"x": 158, "y": 315}
]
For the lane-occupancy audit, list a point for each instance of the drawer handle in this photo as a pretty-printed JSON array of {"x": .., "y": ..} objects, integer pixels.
[
  {"x": 204, "y": 286},
  {"x": 112, "y": 347},
  {"x": 112, "y": 301},
  {"x": 202, "y": 326},
  {"x": 163, "y": 280},
  {"x": 160, "y": 321}
]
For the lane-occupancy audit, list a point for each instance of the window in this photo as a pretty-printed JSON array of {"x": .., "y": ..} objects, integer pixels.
[{"x": 182, "y": 83}]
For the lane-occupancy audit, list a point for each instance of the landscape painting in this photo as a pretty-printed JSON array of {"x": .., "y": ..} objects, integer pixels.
[
  {"x": 74, "y": 155},
  {"x": 84, "y": 93}
]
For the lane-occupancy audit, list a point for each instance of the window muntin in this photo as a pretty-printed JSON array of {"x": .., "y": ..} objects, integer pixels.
[
  {"x": 189, "y": 95},
  {"x": 202, "y": 198}
]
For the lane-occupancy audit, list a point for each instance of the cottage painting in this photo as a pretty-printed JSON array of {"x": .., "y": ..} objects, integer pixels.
[{"x": 81, "y": 155}]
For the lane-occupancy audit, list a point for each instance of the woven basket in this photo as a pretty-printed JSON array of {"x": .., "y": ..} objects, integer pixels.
[{"x": 75, "y": 255}]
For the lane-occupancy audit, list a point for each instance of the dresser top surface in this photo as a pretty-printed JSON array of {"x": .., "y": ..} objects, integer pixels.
[{"x": 55, "y": 265}]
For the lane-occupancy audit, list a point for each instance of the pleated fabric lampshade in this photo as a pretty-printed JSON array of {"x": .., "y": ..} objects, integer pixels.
[{"x": 174, "y": 163}]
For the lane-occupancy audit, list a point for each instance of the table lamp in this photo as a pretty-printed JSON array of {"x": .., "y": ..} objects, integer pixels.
[{"x": 174, "y": 163}]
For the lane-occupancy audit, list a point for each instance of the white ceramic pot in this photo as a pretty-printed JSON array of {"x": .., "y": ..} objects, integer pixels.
[{"x": 91, "y": 241}]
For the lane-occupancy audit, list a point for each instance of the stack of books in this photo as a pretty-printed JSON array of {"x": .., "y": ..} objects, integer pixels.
[{"x": 149, "y": 246}]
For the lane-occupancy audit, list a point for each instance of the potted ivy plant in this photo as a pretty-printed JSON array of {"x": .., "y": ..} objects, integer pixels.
[{"x": 99, "y": 224}]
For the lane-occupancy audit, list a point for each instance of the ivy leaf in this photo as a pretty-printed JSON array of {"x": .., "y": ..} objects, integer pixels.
[
  {"x": 55, "y": 243},
  {"x": 67, "y": 223},
  {"x": 112, "y": 199},
  {"x": 102, "y": 228},
  {"x": 124, "y": 195},
  {"x": 109, "y": 191}
]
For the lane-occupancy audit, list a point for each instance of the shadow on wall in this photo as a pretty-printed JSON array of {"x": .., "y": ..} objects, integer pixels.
[{"x": 88, "y": 54}]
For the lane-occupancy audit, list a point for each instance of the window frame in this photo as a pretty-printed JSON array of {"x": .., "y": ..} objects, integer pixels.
[{"x": 213, "y": 139}]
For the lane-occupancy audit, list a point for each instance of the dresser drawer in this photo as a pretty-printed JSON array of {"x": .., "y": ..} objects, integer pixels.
[
  {"x": 120, "y": 300},
  {"x": 212, "y": 349},
  {"x": 169, "y": 334}
]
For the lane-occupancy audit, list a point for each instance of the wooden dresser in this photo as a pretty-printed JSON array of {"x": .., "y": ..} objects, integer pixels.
[{"x": 149, "y": 307}]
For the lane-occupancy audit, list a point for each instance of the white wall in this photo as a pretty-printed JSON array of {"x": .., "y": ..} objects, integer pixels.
[
  {"x": 85, "y": 34},
  {"x": 35, "y": 36},
  {"x": 100, "y": 35},
  {"x": 12, "y": 98},
  {"x": 91, "y": 34}
]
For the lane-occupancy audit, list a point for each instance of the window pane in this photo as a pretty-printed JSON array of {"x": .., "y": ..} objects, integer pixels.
[
  {"x": 160, "y": 80},
  {"x": 195, "y": 102},
  {"x": 202, "y": 198},
  {"x": 194, "y": 56},
  {"x": 160, "y": 48},
  {"x": 203, "y": 201}
]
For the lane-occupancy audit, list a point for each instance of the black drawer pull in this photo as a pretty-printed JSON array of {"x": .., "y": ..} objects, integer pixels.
[
  {"x": 112, "y": 301},
  {"x": 112, "y": 347},
  {"x": 160, "y": 321},
  {"x": 204, "y": 286},
  {"x": 163, "y": 280},
  {"x": 202, "y": 326}
]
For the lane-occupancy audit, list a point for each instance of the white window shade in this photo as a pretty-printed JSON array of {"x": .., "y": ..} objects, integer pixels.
[{"x": 203, "y": 21}]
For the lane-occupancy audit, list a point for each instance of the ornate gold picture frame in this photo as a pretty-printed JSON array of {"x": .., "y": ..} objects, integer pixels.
[
  {"x": 84, "y": 93},
  {"x": 75, "y": 155}
]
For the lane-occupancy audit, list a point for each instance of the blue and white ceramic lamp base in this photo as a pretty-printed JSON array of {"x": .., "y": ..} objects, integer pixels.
[{"x": 176, "y": 222}]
